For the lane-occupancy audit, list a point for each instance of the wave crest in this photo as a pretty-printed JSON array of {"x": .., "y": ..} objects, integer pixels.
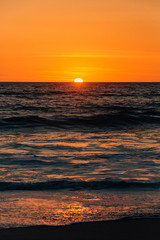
[
  {"x": 120, "y": 119},
  {"x": 77, "y": 185}
]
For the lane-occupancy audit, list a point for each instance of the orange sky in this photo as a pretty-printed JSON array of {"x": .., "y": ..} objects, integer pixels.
[{"x": 97, "y": 40}]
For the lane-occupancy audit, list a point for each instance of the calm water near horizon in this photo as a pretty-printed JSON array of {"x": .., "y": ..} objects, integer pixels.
[{"x": 78, "y": 152}]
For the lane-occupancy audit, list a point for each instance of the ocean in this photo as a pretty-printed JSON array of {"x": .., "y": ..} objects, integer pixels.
[{"x": 75, "y": 152}]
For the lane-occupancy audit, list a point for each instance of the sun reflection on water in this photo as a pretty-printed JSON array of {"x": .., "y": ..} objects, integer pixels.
[{"x": 58, "y": 208}]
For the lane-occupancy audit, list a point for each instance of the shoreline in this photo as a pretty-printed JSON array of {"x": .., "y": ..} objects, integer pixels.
[{"x": 129, "y": 229}]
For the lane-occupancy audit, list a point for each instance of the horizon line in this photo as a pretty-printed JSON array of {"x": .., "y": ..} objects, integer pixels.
[{"x": 80, "y": 83}]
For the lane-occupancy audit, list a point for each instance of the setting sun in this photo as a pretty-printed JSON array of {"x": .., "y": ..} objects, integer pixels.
[{"x": 78, "y": 80}]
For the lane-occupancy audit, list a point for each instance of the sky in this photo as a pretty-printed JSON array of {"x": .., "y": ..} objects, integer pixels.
[{"x": 96, "y": 40}]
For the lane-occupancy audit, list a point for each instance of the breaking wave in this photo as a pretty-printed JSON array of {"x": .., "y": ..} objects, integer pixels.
[
  {"x": 118, "y": 119},
  {"x": 77, "y": 185}
]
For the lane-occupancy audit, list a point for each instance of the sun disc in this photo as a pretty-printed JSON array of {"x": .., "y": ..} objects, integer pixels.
[{"x": 78, "y": 80}]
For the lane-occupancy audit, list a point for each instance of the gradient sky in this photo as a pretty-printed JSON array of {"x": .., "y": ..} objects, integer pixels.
[{"x": 97, "y": 40}]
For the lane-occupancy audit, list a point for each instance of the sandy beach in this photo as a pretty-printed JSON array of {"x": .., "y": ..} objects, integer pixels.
[{"x": 110, "y": 230}]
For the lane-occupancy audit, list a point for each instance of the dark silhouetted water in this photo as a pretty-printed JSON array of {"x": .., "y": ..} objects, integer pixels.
[{"x": 81, "y": 137}]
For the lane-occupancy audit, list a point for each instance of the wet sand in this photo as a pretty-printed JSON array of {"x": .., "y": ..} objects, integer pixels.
[{"x": 137, "y": 229}]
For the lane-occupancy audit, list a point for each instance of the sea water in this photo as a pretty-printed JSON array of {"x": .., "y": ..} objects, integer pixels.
[{"x": 73, "y": 152}]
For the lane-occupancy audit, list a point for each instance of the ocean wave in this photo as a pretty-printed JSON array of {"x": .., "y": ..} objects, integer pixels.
[
  {"x": 77, "y": 185},
  {"x": 113, "y": 119}
]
